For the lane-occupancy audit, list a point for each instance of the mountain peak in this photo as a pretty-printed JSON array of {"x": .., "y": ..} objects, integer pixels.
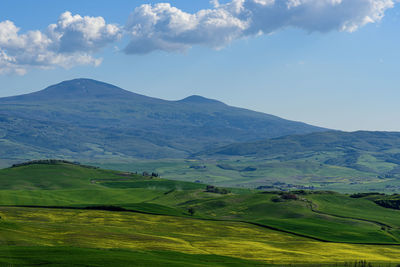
[
  {"x": 197, "y": 99},
  {"x": 96, "y": 119},
  {"x": 82, "y": 82},
  {"x": 81, "y": 88},
  {"x": 84, "y": 88}
]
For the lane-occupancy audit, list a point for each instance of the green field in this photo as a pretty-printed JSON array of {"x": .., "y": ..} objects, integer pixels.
[
  {"x": 62, "y": 211},
  {"x": 68, "y": 256},
  {"x": 244, "y": 172},
  {"x": 152, "y": 233},
  {"x": 339, "y": 161}
]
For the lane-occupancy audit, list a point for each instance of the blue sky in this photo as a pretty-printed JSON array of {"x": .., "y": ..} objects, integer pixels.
[{"x": 337, "y": 78}]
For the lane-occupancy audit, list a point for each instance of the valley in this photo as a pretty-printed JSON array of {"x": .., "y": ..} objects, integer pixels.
[
  {"x": 220, "y": 133},
  {"x": 194, "y": 139},
  {"x": 91, "y": 169}
]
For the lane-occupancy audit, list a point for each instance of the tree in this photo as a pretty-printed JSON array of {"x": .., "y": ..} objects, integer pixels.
[
  {"x": 210, "y": 188},
  {"x": 191, "y": 211},
  {"x": 213, "y": 189}
]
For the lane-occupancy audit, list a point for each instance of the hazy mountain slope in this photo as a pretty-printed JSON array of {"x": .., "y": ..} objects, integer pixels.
[
  {"x": 91, "y": 119},
  {"x": 323, "y": 141},
  {"x": 371, "y": 152}
]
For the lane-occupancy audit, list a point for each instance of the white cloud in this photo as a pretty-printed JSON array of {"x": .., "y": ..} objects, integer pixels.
[
  {"x": 74, "y": 39},
  {"x": 69, "y": 42},
  {"x": 265, "y": 2},
  {"x": 163, "y": 27},
  {"x": 75, "y": 33},
  {"x": 316, "y": 15}
]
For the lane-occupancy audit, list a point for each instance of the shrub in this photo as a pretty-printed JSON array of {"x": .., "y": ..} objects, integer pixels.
[
  {"x": 276, "y": 199},
  {"x": 289, "y": 196},
  {"x": 360, "y": 195},
  {"x": 51, "y": 162},
  {"x": 191, "y": 211},
  {"x": 389, "y": 203},
  {"x": 214, "y": 189}
]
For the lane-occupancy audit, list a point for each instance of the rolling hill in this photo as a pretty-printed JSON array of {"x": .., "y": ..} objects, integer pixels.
[
  {"x": 331, "y": 160},
  {"x": 88, "y": 119},
  {"x": 329, "y": 141},
  {"x": 63, "y": 213}
]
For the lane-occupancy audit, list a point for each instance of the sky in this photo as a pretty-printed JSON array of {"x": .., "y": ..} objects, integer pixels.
[{"x": 330, "y": 63}]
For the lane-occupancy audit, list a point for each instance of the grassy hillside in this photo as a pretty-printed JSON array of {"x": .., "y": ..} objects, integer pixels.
[
  {"x": 74, "y": 256},
  {"x": 161, "y": 239},
  {"x": 88, "y": 119},
  {"x": 334, "y": 160},
  {"x": 249, "y": 172},
  {"x": 371, "y": 152},
  {"x": 68, "y": 175},
  {"x": 59, "y": 209},
  {"x": 326, "y": 141}
]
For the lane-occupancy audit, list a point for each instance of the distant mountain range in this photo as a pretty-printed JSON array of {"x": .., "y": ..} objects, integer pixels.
[{"x": 88, "y": 119}]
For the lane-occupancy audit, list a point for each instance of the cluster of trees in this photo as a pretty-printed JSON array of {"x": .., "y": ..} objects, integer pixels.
[
  {"x": 383, "y": 200},
  {"x": 285, "y": 196},
  {"x": 361, "y": 195},
  {"x": 153, "y": 174},
  {"x": 289, "y": 196},
  {"x": 43, "y": 161},
  {"x": 51, "y": 162},
  {"x": 214, "y": 189},
  {"x": 389, "y": 203}
]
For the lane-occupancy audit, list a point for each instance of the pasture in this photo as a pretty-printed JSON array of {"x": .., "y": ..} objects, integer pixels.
[{"x": 65, "y": 209}]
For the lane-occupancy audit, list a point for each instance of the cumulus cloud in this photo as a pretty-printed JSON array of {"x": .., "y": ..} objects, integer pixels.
[
  {"x": 74, "y": 33},
  {"x": 167, "y": 28},
  {"x": 69, "y": 42},
  {"x": 315, "y": 15},
  {"x": 74, "y": 39},
  {"x": 163, "y": 27}
]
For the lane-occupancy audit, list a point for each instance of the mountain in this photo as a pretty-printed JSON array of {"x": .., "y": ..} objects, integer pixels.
[
  {"x": 368, "y": 152},
  {"x": 196, "y": 99},
  {"x": 88, "y": 119}
]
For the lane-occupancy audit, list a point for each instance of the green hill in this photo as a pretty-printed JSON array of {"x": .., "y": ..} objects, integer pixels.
[
  {"x": 59, "y": 208},
  {"x": 87, "y": 119},
  {"x": 348, "y": 143},
  {"x": 332, "y": 160}
]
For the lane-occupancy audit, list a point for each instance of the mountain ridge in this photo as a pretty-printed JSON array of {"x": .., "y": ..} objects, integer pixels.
[
  {"x": 73, "y": 89},
  {"x": 197, "y": 99},
  {"x": 88, "y": 118}
]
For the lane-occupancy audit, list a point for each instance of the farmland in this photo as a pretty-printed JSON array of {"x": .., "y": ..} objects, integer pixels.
[
  {"x": 142, "y": 232},
  {"x": 65, "y": 208}
]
